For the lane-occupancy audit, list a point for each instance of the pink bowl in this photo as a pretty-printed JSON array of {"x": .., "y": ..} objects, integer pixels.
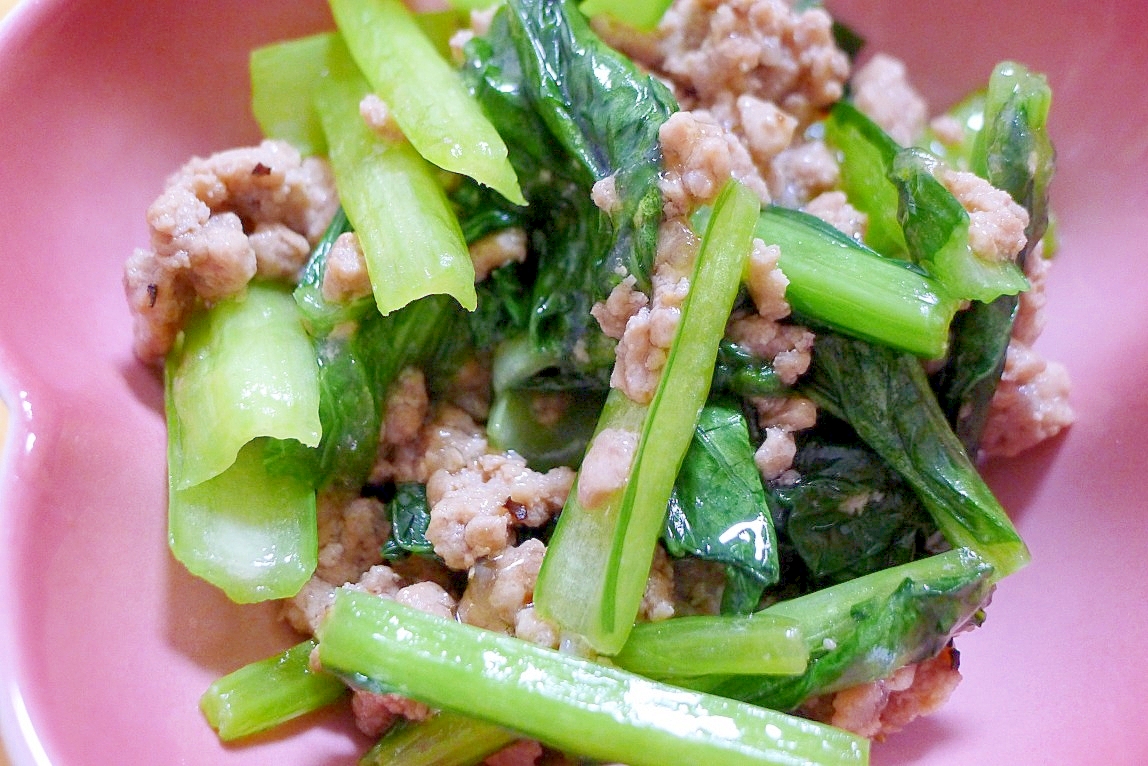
[{"x": 109, "y": 643}]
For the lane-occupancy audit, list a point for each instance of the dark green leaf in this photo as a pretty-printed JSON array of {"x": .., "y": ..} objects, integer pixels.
[{"x": 410, "y": 517}]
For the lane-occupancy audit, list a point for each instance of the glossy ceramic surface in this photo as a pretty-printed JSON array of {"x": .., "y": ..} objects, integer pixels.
[{"x": 108, "y": 643}]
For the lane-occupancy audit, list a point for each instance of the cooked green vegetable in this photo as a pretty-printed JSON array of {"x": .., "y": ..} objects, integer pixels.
[
  {"x": 704, "y": 645},
  {"x": 264, "y": 694},
  {"x": 410, "y": 517},
  {"x": 409, "y": 235},
  {"x": 243, "y": 369},
  {"x": 283, "y": 80},
  {"x": 547, "y": 428},
  {"x": 444, "y": 739},
  {"x": 567, "y": 702},
  {"x": 719, "y": 510},
  {"x": 574, "y": 112},
  {"x": 848, "y": 513},
  {"x": 424, "y": 93},
  {"x": 885, "y": 396},
  {"x": 247, "y": 531},
  {"x": 644, "y": 14},
  {"x": 864, "y": 629},
  {"x": 1013, "y": 152},
  {"x": 836, "y": 282},
  {"x": 595, "y": 570}
]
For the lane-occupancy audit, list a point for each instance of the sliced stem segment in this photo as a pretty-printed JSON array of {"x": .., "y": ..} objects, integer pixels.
[
  {"x": 595, "y": 570},
  {"x": 424, "y": 93},
  {"x": 264, "y": 694},
  {"x": 567, "y": 702},
  {"x": 410, "y": 237},
  {"x": 444, "y": 739}
]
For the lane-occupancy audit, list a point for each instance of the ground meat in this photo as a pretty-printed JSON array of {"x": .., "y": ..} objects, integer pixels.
[
  {"x": 351, "y": 531},
  {"x": 658, "y": 599},
  {"x": 475, "y": 508},
  {"x": 766, "y": 282},
  {"x": 524, "y": 752},
  {"x": 644, "y": 347},
  {"x": 802, "y": 172},
  {"x": 788, "y": 346},
  {"x": 833, "y": 207},
  {"x": 622, "y": 303},
  {"x": 345, "y": 278},
  {"x": 605, "y": 195},
  {"x": 470, "y": 388},
  {"x": 767, "y": 129},
  {"x": 884, "y": 707},
  {"x": 699, "y": 157},
  {"x": 606, "y": 466},
  {"x": 712, "y": 49},
  {"x": 498, "y": 249},
  {"x": 501, "y": 587},
  {"x": 448, "y": 439},
  {"x": 1029, "y": 405},
  {"x": 379, "y": 118},
  {"x": 375, "y": 713},
  {"x": 698, "y": 586},
  {"x": 882, "y": 91},
  {"x": 1030, "y": 319},
  {"x": 305, "y": 609},
  {"x": 780, "y": 417},
  {"x": 217, "y": 223},
  {"x": 774, "y": 456},
  {"x": 406, "y": 408},
  {"x": 996, "y": 221}
]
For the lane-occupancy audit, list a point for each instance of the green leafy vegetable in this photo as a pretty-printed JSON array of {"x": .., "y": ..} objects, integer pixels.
[
  {"x": 704, "y": 645},
  {"x": 885, "y": 396},
  {"x": 283, "y": 80},
  {"x": 644, "y": 14},
  {"x": 605, "y": 713},
  {"x": 547, "y": 428},
  {"x": 264, "y": 694},
  {"x": 719, "y": 510},
  {"x": 574, "y": 112},
  {"x": 444, "y": 739},
  {"x": 849, "y": 513},
  {"x": 243, "y": 369},
  {"x": 410, "y": 517}
]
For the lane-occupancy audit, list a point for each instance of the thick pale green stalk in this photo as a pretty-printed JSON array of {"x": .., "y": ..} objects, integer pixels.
[
  {"x": 567, "y": 702},
  {"x": 704, "y": 645},
  {"x": 283, "y": 80},
  {"x": 248, "y": 532},
  {"x": 410, "y": 236},
  {"x": 424, "y": 93},
  {"x": 264, "y": 694},
  {"x": 444, "y": 739},
  {"x": 595, "y": 570},
  {"x": 244, "y": 369}
]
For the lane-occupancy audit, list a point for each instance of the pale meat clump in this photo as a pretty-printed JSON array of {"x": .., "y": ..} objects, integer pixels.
[
  {"x": 1031, "y": 403},
  {"x": 649, "y": 331},
  {"x": 882, "y": 91},
  {"x": 884, "y": 707},
  {"x": 219, "y": 222}
]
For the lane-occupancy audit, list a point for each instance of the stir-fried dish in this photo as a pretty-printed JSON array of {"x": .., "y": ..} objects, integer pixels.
[{"x": 603, "y": 383}]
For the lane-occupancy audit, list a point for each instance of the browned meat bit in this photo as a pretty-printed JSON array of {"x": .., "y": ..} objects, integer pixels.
[
  {"x": 499, "y": 595},
  {"x": 475, "y": 508},
  {"x": 780, "y": 418},
  {"x": 498, "y": 249},
  {"x": 884, "y": 707},
  {"x": 658, "y": 599},
  {"x": 996, "y": 221},
  {"x": 218, "y": 222},
  {"x": 352, "y": 531}
]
